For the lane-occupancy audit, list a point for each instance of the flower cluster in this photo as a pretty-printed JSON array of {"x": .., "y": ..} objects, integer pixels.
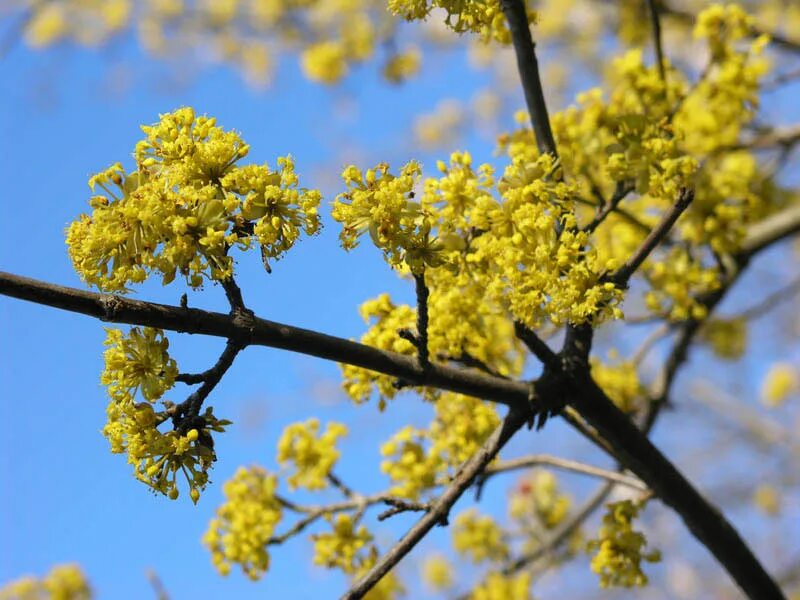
[
  {"x": 63, "y": 582},
  {"x": 246, "y": 35},
  {"x": 479, "y": 537},
  {"x": 185, "y": 206},
  {"x": 484, "y": 17},
  {"x": 313, "y": 455},
  {"x": 382, "y": 204},
  {"x": 419, "y": 459},
  {"x": 463, "y": 326},
  {"x": 437, "y": 572},
  {"x": 620, "y": 382},
  {"x": 341, "y": 547},
  {"x": 139, "y": 362},
  {"x": 619, "y": 547},
  {"x": 244, "y": 524},
  {"x": 497, "y": 586},
  {"x": 537, "y": 502},
  {"x": 727, "y": 337}
]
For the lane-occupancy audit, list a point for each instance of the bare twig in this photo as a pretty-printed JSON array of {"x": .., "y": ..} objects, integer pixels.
[
  {"x": 536, "y": 345},
  {"x": 537, "y": 460},
  {"x": 655, "y": 22},
  {"x": 440, "y": 508},
  {"x": 563, "y": 532},
  {"x": 771, "y": 301},
  {"x": 611, "y": 206},
  {"x": 634, "y": 450},
  {"x": 191, "y": 406},
  {"x": 659, "y": 232}
]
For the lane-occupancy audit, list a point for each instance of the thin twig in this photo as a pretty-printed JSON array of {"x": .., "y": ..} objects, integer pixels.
[
  {"x": 612, "y": 205},
  {"x": 191, "y": 406},
  {"x": 655, "y": 22},
  {"x": 538, "y": 460},
  {"x": 659, "y": 232},
  {"x": 563, "y": 532},
  {"x": 536, "y": 345},
  {"x": 771, "y": 301},
  {"x": 440, "y": 508}
]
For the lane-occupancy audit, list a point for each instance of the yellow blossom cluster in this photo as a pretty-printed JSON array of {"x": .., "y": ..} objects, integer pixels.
[
  {"x": 313, "y": 455},
  {"x": 439, "y": 127},
  {"x": 479, "y": 537},
  {"x": 329, "y": 35},
  {"x": 497, "y": 586},
  {"x": 186, "y": 204},
  {"x": 341, "y": 547},
  {"x": 484, "y": 17},
  {"x": 463, "y": 324},
  {"x": 620, "y": 381},
  {"x": 781, "y": 381},
  {"x": 618, "y": 547},
  {"x": 88, "y": 22},
  {"x": 140, "y": 362},
  {"x": 727, "y": 337},
  {"x": 63, "y": 582},
  {"x": 244, "y": 524},
  {"x": 437, "y": 572},
  {"x": 537, "y": 502},
  {"x": 524, "y": 250},
  {"x": 419, "y": 459}
]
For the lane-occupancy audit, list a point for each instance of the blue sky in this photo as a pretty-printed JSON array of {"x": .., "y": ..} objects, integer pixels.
[{"x": 64, "y": 497}]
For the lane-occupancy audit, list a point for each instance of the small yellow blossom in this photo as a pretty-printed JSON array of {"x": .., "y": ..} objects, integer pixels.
[{"x": 782, "y": 380}]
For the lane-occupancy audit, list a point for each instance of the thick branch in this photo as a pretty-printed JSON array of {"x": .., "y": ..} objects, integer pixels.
[
  {"x": 634, "y": 450},
  {"x": 528, "y": 66},
  {"x": 260, "y": 332},
  {"x": 441, "y": 507}
]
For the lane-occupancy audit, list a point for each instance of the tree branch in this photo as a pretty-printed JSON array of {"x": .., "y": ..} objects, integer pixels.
[
  {"x": 659, "y": 232},
  {"x": 441, "y": 507},
  {"x": 528, "y": 66},
  {"x": 655, "y": 22},
  {"x": 633, "y": 448}
]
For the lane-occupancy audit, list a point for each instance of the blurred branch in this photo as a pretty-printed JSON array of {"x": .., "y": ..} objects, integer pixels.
[{"x": 538, "y": 460}]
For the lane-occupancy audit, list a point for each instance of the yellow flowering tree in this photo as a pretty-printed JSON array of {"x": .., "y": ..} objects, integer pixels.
[{"x": 640, "y": 204}]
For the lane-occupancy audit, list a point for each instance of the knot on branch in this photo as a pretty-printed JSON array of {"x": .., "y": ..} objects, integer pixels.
[{"x": 111, "y": 307}]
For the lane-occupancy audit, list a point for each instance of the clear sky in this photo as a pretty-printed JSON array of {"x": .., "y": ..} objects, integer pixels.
[{"x": 64, "y": 497}]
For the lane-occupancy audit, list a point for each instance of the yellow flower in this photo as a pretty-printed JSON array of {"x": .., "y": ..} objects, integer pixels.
[
  {"x": 781, "y": 381},
  {"x": 340, "y": 548}
]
